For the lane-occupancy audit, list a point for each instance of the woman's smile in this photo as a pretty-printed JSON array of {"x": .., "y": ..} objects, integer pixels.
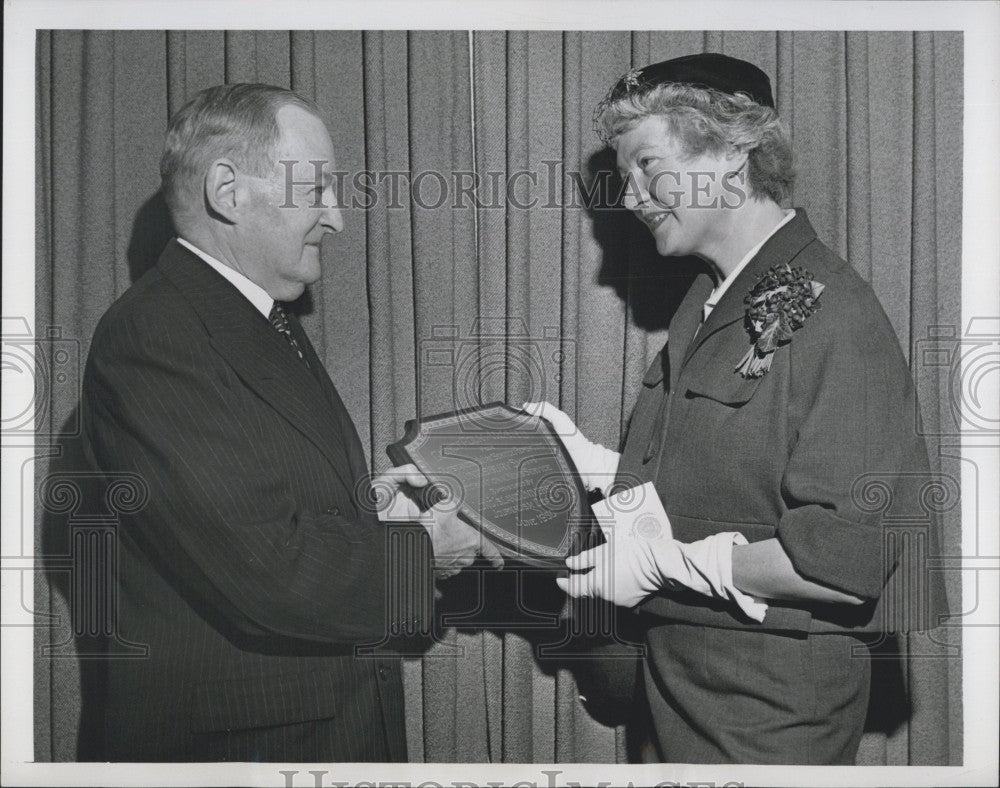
[{"x": 653, "y": 219}]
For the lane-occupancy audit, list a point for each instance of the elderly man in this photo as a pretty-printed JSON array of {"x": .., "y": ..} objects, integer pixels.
[{"x": 255, "y": 571}]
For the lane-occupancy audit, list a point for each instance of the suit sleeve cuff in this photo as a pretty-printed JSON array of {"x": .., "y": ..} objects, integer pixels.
[{"x": 835, "y": 552}]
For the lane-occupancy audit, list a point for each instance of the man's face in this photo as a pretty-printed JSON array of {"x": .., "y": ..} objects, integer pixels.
[{"x": 288, "y": 213}]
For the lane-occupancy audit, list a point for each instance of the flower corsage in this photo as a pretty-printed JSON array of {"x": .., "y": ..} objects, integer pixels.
[{"x": 776, "y": 307}]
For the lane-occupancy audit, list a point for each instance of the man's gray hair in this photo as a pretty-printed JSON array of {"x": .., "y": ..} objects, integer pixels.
[{"x": 237, "y": 122}]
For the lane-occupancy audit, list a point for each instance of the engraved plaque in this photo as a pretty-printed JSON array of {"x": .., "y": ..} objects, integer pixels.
[{"x": 508, "y": 474}]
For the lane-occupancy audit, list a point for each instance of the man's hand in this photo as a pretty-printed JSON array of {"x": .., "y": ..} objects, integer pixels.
[
  {"x": 456, "y": 543},
  {"x": 596, "y": 464},
  {"x": 395, "y": 503}
]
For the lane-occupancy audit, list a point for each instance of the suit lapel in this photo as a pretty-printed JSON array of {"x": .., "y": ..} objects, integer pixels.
[
  {"x": 685, "y": 323},
  {"x": 260, "y": 356},
  {"x": 780, "y": 248},
  {"x": 352, "y": 441}
]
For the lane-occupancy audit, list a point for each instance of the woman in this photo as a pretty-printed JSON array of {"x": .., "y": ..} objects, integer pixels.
[{"x": 781, "y": 386}]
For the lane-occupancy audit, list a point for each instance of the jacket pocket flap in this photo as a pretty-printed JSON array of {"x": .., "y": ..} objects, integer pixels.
[
  {"x": 726, "y": 386},
  {"x": 262, "y": 701}
]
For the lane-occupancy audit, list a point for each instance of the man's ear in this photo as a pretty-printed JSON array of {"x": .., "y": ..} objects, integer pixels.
[{"x": 220, "y": 189}]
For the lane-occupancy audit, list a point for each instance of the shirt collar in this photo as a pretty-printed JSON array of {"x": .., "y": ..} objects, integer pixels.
[
  {"x": 720, "y": 291},
  {"x": 253, "y": 292}
]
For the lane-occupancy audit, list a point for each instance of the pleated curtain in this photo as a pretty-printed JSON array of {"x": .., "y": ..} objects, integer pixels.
[{"x": 555, "y": 301}]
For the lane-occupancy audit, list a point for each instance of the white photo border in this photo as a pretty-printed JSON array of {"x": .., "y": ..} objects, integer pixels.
[{"x": 980, "y": 24}]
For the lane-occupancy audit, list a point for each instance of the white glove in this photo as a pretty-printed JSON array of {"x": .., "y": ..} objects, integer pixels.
[
  {"x": 629, "y": 567},
  {"x": 596, "y": 464}
]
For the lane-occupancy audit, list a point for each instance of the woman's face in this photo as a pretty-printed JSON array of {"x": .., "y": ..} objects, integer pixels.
[{"x": 686, "y": 202}]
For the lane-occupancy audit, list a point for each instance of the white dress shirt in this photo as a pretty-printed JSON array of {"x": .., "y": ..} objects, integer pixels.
[
  {"x": 253, "y": 292},
  {"x": 724, "y": 285}
]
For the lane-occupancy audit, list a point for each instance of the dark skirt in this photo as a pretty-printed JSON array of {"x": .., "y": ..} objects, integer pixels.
[{"x": 739, "y": 696}]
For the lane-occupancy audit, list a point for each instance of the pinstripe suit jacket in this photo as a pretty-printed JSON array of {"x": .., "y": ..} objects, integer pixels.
[{"x": 254, "y": 571}]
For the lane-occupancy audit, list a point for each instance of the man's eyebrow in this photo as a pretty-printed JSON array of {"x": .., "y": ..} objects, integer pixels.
[{"x": 327, "y": 179}]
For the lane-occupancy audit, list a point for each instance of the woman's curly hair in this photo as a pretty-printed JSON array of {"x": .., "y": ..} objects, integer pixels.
[{"x": 705, "y": 120}]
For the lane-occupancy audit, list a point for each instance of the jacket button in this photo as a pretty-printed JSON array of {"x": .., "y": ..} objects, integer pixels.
[
  {"x": 383, "y": 673},
  {"x": 333, "y": 510}
]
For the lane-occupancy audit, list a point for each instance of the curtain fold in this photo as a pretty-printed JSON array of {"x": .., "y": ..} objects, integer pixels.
[{"x": 472, "y": 268}]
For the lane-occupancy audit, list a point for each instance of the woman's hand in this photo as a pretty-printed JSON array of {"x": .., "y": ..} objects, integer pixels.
[
  {"x": 596, "y": 464},
  {"x": 621, "y": 571},
  {"x": 630, "y": 566}
]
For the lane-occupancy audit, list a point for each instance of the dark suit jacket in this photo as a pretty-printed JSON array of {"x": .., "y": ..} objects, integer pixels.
[
  {"x": 254, "y": 570},
  {"x": 817, "y": 452}
]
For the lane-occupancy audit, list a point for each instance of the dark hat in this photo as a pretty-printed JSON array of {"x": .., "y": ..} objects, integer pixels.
[{"x": 708, "y": 70}]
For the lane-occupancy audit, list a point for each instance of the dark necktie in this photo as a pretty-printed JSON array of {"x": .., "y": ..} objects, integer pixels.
[{"x": 279, "y": 319}]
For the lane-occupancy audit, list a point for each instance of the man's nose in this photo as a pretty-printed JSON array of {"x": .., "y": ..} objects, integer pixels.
[{"x": 333, "y": 219}]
